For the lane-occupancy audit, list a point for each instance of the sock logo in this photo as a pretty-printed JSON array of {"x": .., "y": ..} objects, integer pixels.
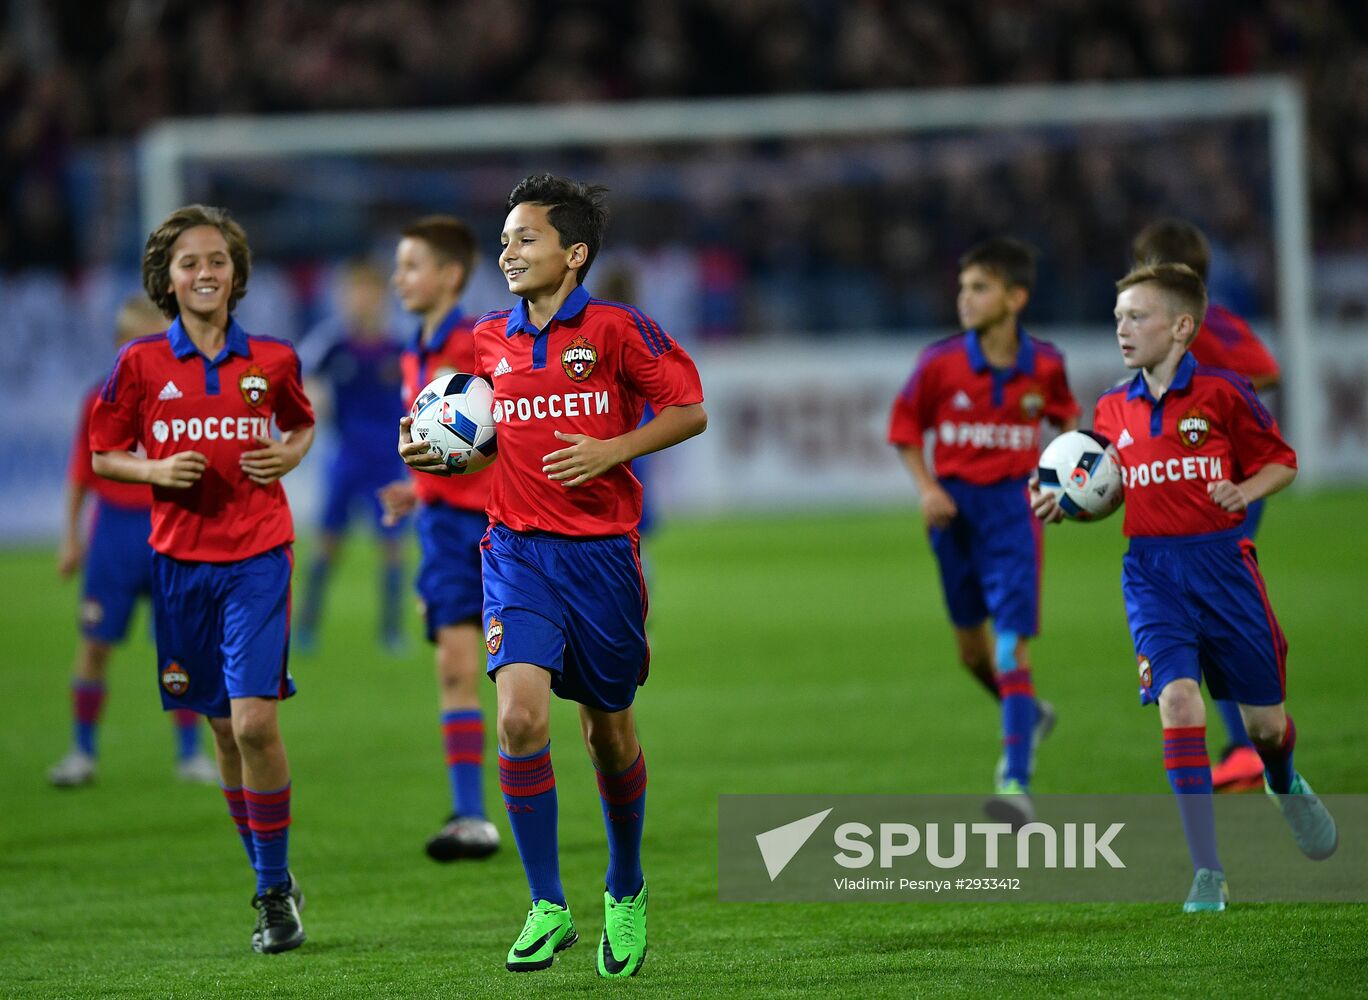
[
  {"x": 778, "y": 846},
  {"x": 175, "y": 679}
]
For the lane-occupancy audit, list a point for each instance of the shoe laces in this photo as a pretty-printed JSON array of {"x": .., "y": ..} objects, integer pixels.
[
  {"x": 275, "y": 907},
  {"x": 624, "y": 927},
  {"x": 532, "y": 929}
]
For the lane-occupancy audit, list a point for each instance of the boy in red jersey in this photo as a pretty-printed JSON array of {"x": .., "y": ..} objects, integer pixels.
[
  {"x": 200, "y": 399},
  {"x": 117, "y": 571},
  {"x": 1196, "y": 448},
  {"x": 1223, "y": 341},
  {"x": 564, "y": 598},
  {"x": 432, "y": 264},
  {"x": 984, "y": 393}
]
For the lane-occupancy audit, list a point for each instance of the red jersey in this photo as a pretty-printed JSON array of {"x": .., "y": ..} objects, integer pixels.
[
  {"x": 451, "y": 349},
  {"x": 1208, "y": 426},
  {"x": 167, "y": 396},
  {"x": 129, "y": 496},
  {"x": 986, "y": 420},
  {"x": 591, "y": 371},
  {"x": 1226, "y": 341}
]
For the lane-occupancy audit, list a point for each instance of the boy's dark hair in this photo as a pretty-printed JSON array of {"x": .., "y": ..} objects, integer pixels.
[
  {"x": 451, "y": 240},
  {"x": 156, "y": 262},
  {"x": 1012, "y": 260},
  {"x": 576, "y": 210},
  {"x": 1181, "y": 284},
  {"x": 1173, "y": 241}
]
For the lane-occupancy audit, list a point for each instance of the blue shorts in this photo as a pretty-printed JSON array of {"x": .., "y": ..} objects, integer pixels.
[
  {"x": 990, "y": 557},
  {"x": 354, "y": 482},
  {"x": 118, "y": 570},
  {"x": 223, "y": 630},
  {"x": 449, "y": 567},
  {"x": 1198, "y": 608},
  {"x": 576, "y": 607}
]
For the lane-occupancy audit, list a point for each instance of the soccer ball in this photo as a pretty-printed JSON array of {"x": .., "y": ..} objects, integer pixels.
[
  {"x": 453, "y": 415},
  {"x": 1082, "y": 470}
]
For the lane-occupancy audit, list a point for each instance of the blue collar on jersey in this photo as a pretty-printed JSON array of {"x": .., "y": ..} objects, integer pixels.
[
  {"x": 183, "y": 347},
  {"x": 1025, "y": 359},
  {"x": 1182, "y": 378},
  {"x": 439, "y": 336},
  {"x": 572, "y": 306}
]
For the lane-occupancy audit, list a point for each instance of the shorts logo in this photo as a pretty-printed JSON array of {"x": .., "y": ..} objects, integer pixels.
[
  {"x": 1193, "y": 428},
  {"x": 175, "y": 679},
  {"x": 1032, "y": 404},
  {"x": 1146, "y": 677},
  {"x": 578, "y": 359},
  {"x": 92, "y": 612},
  {"x": 254, "y": 385},
  {"x": 494, "y": 635}
]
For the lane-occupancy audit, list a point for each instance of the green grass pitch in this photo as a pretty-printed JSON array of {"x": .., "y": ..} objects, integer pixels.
[{"x": 791, "y": 654}]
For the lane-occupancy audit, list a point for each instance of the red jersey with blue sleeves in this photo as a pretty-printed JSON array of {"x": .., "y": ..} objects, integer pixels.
[
  {"x": 450, "y": 349},
  {"x": 128, "y": 496},
  {"x": 168, "y": 397},
  {"x": 986, "y": 420},
  {"x": 1226, "y": 341},
  {"x": 591, "y": 371},
  {"x": 1208, "y": 426}
]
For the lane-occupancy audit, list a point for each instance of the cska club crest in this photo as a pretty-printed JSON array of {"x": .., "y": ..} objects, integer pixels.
[
  {"x": 1032, "y": 404},
  {"x": 254, "y": 385},
  {"x": 578, "y": 359},
  {"x": 1146, "y": 677},
  {"x": 494, "y": 635},
  {"x": 175, "y": 679},
  {"x": 1193, "y": 428}
]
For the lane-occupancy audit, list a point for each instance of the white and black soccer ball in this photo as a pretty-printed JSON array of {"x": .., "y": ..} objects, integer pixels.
[
  {"x": 453, "y": 414},
  {"x": 1083, "y": 471}
]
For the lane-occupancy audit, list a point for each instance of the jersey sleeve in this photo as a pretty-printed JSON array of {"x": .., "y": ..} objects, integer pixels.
[
  {"x": 913, "y": 410},
  {"x": 658, "y": 368},
  {"x": 1105, "y": 420},
  {"x": 1255, "y": 439},
  {"x": 292, "y": 406},
  {"x": 114, "y": 418}
]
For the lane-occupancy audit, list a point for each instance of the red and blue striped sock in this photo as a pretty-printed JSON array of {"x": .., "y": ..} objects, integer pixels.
[
  {"x": 529, "y": 794},
  {"x": 237, "y": 808},
  {"x": 1019, "y": 713},
  {"x": 624, "y": 814},
  {"x": 1189, "y": 774},
  {"x": 187, "y": 733},
  {"x": 1278, "y": 763},
  {"x": 87, "y": 701},
  {"x": 268, "y": 815},
  {"x": 463, "y": 734}
]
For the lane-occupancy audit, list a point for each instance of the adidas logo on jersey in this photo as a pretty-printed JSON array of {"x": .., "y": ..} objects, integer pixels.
[
  {"x": 503, "y": 367},
  {"x": 1125, "y": 439},
  {"x": 962, "y": 401},
  {"x": 169, "y": 391}
]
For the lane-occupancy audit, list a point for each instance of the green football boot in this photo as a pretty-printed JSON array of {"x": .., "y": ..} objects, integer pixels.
[
  {"x": 622, "y": 951},
  {"x": 1313, "y": 828},
  {"x": 1011, "y": 804},
  {"x": 1209, "y": 892},
  {"x": 549, "y": 929}
]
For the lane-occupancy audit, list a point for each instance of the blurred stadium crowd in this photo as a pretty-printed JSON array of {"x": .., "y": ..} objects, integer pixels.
[{"x": 864, "y": 238}]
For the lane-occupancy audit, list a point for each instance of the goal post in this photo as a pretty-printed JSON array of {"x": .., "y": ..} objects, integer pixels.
[{"x": 171, "y": 147}]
